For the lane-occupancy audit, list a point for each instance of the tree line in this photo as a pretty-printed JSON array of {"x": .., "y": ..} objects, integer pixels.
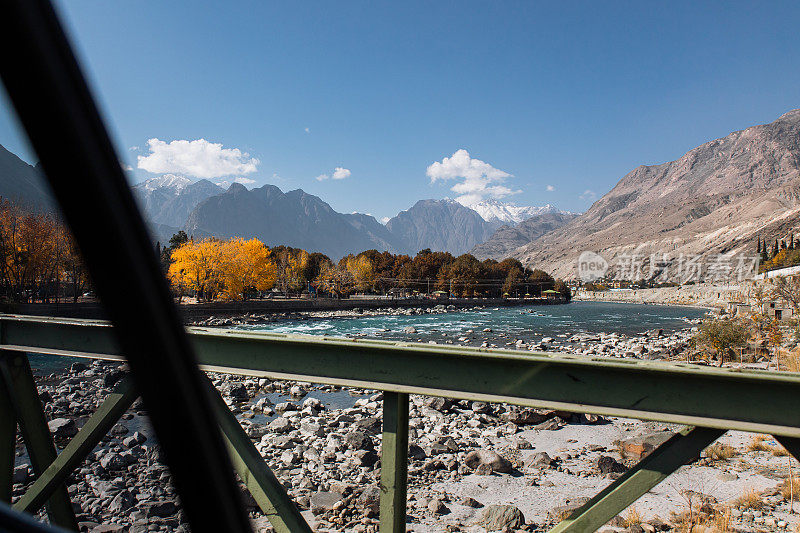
[
  {"x": 240, "y": 269},
  {"x": 39, "y": 261},
  {"x": 780, "y": 254}
]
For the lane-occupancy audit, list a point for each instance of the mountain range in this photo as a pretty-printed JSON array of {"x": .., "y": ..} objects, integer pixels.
[
  {"x": 718, "y": 198},
  {"x": 295, "y": 218}
]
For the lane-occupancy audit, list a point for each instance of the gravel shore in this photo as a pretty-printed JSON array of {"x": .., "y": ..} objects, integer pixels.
[{"x": 473, "y": 466}]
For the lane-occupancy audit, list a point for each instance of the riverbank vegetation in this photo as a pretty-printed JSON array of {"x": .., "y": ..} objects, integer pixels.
[
  {"x": 39, "y": 262},
  {"x": 239, "y": 269}
]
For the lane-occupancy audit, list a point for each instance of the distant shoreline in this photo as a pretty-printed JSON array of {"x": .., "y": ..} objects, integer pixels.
[
  {"x": 701, "y": 296},
  {"x": 194, "y": 312}
]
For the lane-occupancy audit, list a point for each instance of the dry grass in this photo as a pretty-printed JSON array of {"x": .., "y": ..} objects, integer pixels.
[
  {"x": 790, "y": 361},
  {"x": 720, "y": 452},
  {"x": 779, "y": 451},
  {"x": 750, "y": 499},
  {"x": 632, "y": 517},
  {"x": 787, "y": 489},
  {"x": 758, "y": 444},
  {"x": 719, "y": 521}
]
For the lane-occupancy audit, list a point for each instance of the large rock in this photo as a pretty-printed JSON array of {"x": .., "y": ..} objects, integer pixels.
[
  {"x": 539, "y": 460},
  {"x": 238, "y": 392},
  {"x": 608, "y": 465},
  {"x": 493, "y": 460},
  {"x": 161, "y": 509},
  {"x": 358, "y": 440},
  {"x": 63, "y": 427},
  {"x": 324, "y": 501},
  {"x": 499, "y": 517},
  {"x": 371, "y": 498},
  {"x": 280, "y": 425},
  {"x": 524, "y": 417},
  {"x": 641, "y": 446},
  {"x": 21, "y": 473},
  {"x": 123, "y": 501}
]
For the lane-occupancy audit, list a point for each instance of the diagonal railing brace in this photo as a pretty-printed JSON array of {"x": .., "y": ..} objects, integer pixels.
[{"x": 680, "y": 449}]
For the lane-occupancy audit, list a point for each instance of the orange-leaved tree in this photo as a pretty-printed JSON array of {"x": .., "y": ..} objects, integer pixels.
[{"x": 246, "y": 265}]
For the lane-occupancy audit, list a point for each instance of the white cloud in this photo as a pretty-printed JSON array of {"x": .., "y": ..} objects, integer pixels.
[
  {"x": 227, "y": 183},
  {"x": 134, "y": 148},
  {"x": 588, "y": 195},
  {"x": 549, "y": 188},
  {"x": 308, "y": 130},
  {"x": 340, "y": 173},
  {"x": 125, "y": 166},
  {"x": 478, "y": 180},
  {"x": 198, "y": 158}
]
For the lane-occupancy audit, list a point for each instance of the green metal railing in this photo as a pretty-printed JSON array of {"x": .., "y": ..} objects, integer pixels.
[{"x": 708, "y": 401}]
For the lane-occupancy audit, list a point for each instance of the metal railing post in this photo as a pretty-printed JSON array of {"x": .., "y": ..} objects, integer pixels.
[
  {"x": 16, "y": 372},
  {"x": 8, "y": 442},
  {"x": 394, "y": 462},
  {"x": 79, "y": 447}
]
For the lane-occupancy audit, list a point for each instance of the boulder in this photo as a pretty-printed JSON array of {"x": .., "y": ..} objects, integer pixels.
[
  {"x": 371, "y": 425},
  {"x": 161, "y": 509},
  {"x": 437, "y": 403},
  {"x": 63, "y": 427},
  {"x": 551, "y": 424},
  {"x": 323, "y": 501},
  {"x": 280, "y": 425},
  {"x": 608, "y": 465},
  {"x": 523, "y": 417},
  {"x": 123, "y": 501},
  {"x": 641, "y": 446},
  {"x": 538, "y": 460},
  {"x": 471, "y": 502},
  {"x": 371, "y": 498},
  {"x": 490, "y": 458},
  {"x": 21, "y": 474},
  {"x": 238, "y": 392},
  {"x": 500, "y": 517},
  {"x": 358, "y": 440},
  {"x": 436, "y": 506}
]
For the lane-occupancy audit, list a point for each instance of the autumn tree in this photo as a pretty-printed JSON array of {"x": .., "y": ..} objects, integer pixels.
[
  {"x": 196, "y": 266},
  {"x": 360, "y": 269},
  {"x": 722, "y": 335},
  {"x": 246, "y": 266}
]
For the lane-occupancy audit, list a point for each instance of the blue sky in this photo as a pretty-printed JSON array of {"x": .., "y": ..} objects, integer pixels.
[{"x": 567, "y": 96}]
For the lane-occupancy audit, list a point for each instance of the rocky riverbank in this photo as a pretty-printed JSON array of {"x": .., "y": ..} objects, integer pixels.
[
  {"x": 248, "y": 319},
  {"x": 473, "y": 466}
]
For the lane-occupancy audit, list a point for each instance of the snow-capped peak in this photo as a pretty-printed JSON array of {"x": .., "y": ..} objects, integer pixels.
[
  {"x": 493, "y": 210},
  {"x": 170, "y": 181}
]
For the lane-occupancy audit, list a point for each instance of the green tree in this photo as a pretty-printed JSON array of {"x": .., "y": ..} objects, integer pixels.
[{"x": 722, "y": 335}]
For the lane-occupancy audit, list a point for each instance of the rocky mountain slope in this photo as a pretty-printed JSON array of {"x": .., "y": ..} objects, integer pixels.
[
  {"x": 443, "y": 225},
  {"x": 294, "y": 218},
  {"x": 716, "y": 199},
  {"x": 169, "y": 199},
  {"x": 23, "y": 183},
  {"x": 507, "y": 239}
]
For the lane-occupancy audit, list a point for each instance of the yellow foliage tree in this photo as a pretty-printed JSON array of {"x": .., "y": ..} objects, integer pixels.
[
  {"x": 246, "y": 265},
  {"x": 197, "y": 266},
  {"x": 362, "y": 271}
]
